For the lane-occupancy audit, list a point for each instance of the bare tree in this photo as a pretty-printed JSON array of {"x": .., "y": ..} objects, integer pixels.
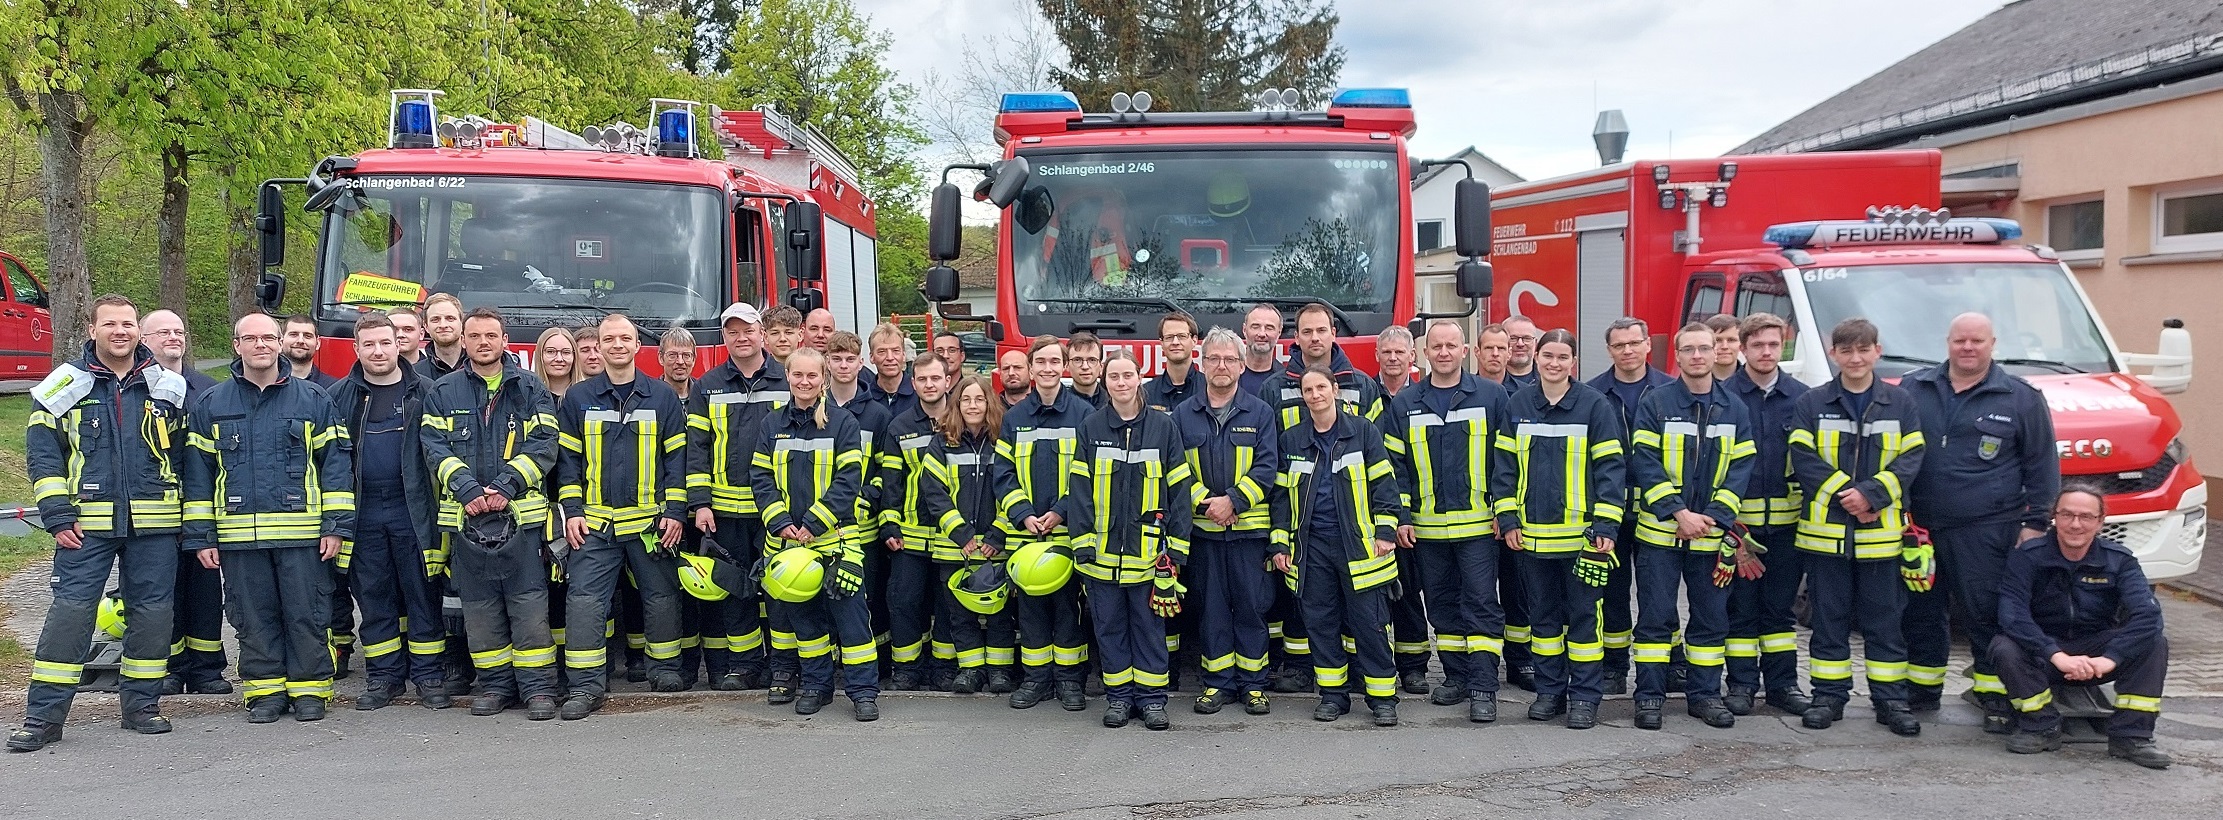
[{"x": 959, "y": 107}]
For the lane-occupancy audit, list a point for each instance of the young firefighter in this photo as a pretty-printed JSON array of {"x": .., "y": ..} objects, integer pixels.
[
  {"x": 1338, "y": 512},
  {"x": 907, "y": 535},
  {"x": 107, "y": 500},
  {"x": 848, "y": 388},
  {"x": 1856, "y": 445},
  {"x": 621, "y": 477},
  {"x": 724, "y": 414},
  {"x": 1557, "y": 491},
  {"x": 1131, "y": 486},
  {"x": 783, "y": 332},
  {"x": 1034, "y": 473},
  {"x": 197, "y": 651},
  {"x": 1763, "y": 636},
  {"x": 395, "y": 563},
  {"x": 1446, "y": 426},
  {"x": 1624, "y": 386},
  {"x": 1235, "y": 454},
  {"x": 1693, "y": 452},
  {"x": 962, "y": 502},
  {"x": 809, "y": 465},
  {"x": 268, "y": 443},
  {"x": 490, "y": 436}
]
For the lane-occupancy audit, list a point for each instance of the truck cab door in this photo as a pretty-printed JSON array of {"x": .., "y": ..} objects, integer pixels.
[
  {"x": 1758, "y": 289},
  {"x": 26, "y": 325}
]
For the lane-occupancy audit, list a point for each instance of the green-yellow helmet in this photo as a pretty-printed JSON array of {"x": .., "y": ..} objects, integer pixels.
[
  {"x": 1228, "y": 195},
  {"x": 981, "y": 588},
  {"x": 794, "y": 575},
  {"x": 708, "y": 578},
  {"x": 110, "y": 617},
  {"x": 1040, "y": 568}
]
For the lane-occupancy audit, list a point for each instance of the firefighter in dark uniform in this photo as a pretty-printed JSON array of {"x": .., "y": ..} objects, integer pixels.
[
  {"x": 1446, "y": 425},
  {"x": 1361, "y": 396},
  {"x": 1763, "y": 638},
  {"x": 1338, "y": 513},
  {"x": 908, "y": 535},
  {"x": 960, "y": 499},
  {"x": 1557, "y": 490},
  {"x": 1034, "y": 465},
  {"x": 1856, "y": 445},
  {"x": 724, "y": 414},
  {"x": 1987, "y": 482},
  {"x": 1625, "y": 385},
  {"x": 103, "y": 441},
  {"x": 490, "y": 438},
  {"x": 1693, "y": 453},
  {"x": 197, "y": 645},
  {"x": 382, "y": 405},
  {"x": 268, "y": 500},
  {"x": 621, "y": 478},
  {"x": 1131, "y": 493},
  {"x": 848, "y": 386},
  {"x": 1234, "y": 449},
  {"x": 1181, "y": 339},
  {"x": 808, "y": 469},
  {"x": 2076, "y": 608}
]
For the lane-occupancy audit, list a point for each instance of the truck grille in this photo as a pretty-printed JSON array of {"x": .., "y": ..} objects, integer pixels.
[{"x": 2142, "y": 481}]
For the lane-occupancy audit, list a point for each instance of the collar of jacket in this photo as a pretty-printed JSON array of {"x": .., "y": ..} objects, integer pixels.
[
  {"x": 1338, "y": 363},
  {"x": 1064, "y": 395},
  {"x": 1837, "y": 393},
  {"x": 1653, "y": 377},
  {"x": 870, "y": 388},
  {"x": 1940, "y": 379},
  {"x": 239, "y": 374},
  {"x": 88, "y": 360},
  {"x": 1468, "y": 384},
  {"x": 771, "y": 369},
  {"x": 409, "y": 377},
  {"x": 1719, "y": 396},
  {"x": 1742, "y": 382},
  {"x": 2050, "y": 550},
  {"x": 1340, "y": 431},
  {"x": 1111, "y": 415}
]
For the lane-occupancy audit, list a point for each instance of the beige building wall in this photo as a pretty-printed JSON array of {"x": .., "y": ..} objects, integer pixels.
[{"x": 2126, "y": 153}]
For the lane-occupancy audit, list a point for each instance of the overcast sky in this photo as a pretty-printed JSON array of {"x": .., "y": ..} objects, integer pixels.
[{"x": 1523, "y": 80}]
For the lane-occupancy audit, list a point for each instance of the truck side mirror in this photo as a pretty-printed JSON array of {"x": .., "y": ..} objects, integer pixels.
[
  {"x": 940, "y": 284},
  {"x": 806, "y": 299},
  {"x": 270, "y": 291},
  {"x": 942, "y": 229},
  {"x": 270, "y": 225},
  {"x": 1006, "y": 178},
  {"x": 1471, "y": 209},
  {"x": 994, "y": 330},
  {"x": 1475, "y": 280},
  {"x": 806, "y": 253}
]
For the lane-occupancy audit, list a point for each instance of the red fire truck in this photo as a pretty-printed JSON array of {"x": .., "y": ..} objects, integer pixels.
[
  {"x": 557, "y": 228},
  {"x": 1110, "y": 220},
  {"x": 1680, "y": 240}
]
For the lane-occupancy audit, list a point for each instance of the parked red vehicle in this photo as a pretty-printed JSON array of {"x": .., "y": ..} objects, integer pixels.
[{"x": 26, "y": 325}]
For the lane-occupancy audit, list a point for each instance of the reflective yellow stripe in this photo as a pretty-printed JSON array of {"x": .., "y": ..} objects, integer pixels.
[
  {"x": 66, "y": 674},
  {"x": 2135, "y": 703}
]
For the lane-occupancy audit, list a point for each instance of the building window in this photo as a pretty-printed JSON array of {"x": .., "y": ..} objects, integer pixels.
[
  {"x": 2076, "y": 226},
  {"x": 1428, "y": 234},
  {"x": 2189, "y": 220}
]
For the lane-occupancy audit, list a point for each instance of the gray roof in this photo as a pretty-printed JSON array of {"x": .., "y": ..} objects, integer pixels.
[
  {"x": 2021, "y": 42},
  {"x": 1485, "y": 169}
]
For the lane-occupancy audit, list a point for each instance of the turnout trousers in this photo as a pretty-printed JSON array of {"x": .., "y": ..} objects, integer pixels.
[
  {"x": 910, "y": 603},
  {"x": 1563, "y": 617},
  {"x": 280, "y": 601},
  {"x": 739, "y": 619},
  {"x": 505, "y": 615},
  {"x": 1334, "y": 613},
  {"x": 593, "y": 569},
  {"x": 197, "y": 630},
  {"x": 1229, "y": 591},
  {"x": 2138, "y": 679},
  {"x": 148, "y": 573},
  {"x": 1408, "y": 617},
  {"x": 1660, "y": 575},
  {"x": 1970, "y": 562},
  {"x": 1052, "y": 644},
  {"x": 1462, "y": 582},
  {"x": 1763, "y": 627},
  {"x": 1841, "y": 592},
  {"x": 389, "y": 584},
  {"x": 1130, "y": 642},
  {"x": 1512, "y": 599},
  {"x": 826, "y": 628}
]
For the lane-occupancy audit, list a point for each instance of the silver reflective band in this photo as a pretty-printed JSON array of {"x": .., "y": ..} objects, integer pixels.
[
  {"x": 614, "y": 417},
  {"x": 1349, "y": 461},
  {"x": 785, "y": 444},
  {"x": 964, "y": 459},
  {"x": 1045, "y": 434},
  {"x": 1142, "y": 456},
  {"x": 1532, "y": 430}
]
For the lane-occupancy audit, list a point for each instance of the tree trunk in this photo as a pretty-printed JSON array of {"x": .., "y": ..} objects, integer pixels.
[
  {"x": 169, "y": 243},
  {"x": 62, "y": 177},
  {"x": 243, "y": 257}
]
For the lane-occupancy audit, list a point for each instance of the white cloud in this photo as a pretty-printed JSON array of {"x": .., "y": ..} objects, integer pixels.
[{"x": 1523, "y": 81}]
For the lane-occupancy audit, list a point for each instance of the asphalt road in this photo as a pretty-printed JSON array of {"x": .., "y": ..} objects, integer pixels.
[{"x": 941, "y": 756}]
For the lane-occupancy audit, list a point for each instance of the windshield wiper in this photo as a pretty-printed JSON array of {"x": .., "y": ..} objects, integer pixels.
[
  {"x": 560, "y": 306},
  {"x": 1913, "y": 360},
  {"x": 2057, "y": 367},
  {"x": 1341, "y": 318},
  {"x": 1153, "y": 301}
]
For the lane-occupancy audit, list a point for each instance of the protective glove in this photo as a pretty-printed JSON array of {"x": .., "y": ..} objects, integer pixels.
[
  {"x": 847, "y": 577},
  {"x": 1725, "y": 564},
  {"x": 1166, "y": 588},
  {"x": 1918, "y": 564},
  {"x": 345, "y": 558},
  {"x": 436, "y": 560},
  {"x": 1594, "y": 566}
]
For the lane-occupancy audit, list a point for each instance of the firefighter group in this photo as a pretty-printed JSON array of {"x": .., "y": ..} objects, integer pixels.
[{"x": 1061, "y": 527}]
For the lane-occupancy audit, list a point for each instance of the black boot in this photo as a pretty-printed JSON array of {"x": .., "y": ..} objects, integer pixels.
[
  {"x": 966, "y": 681},
  {"x": 782, "y": 689},
  {"x": 1155, "y": 719},
  {"x": 1070, "y": 695},
  {"x": 1790, "y": 700},
  {"x": 1001, "y": 681},
  {"x": 266, "y": 709},
  {"x": 1739, "y": 700},
  {"x": 2030, "y": 743},
  {"x": 34, "y": 736},
  {"x": 1451, "y": 693},
  {"x": 307, "y": 708},
  {"x": 434, "y": 695},
  {"x": 1648, "y": 714},
  {"x": 2139, "y": 750},
  {"x": 1030, "y": 693},
  {"x": 1582, "y": 714},
  {"x": 1821, "y": 712},
  {"x": 1385, "y": 712},
  {"x": 1117, "y": 713},
  {"x": 1482, "y": 710},
  {"x": 1895, "y": 714},
  {"x": 1712, "y": 711},
  {"x": 377, "y": 696},
  {"x": 1547, "y": 707}
]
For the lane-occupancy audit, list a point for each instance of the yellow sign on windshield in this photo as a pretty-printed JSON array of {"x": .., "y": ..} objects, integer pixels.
[{"x": 369, "y": 289}]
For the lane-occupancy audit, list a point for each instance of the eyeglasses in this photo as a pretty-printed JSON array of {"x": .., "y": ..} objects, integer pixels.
[
  {"x": 1634, "y": 345},
  {"x": 1176, "y": 337},
  {"x": 1689, "y": 349},
  {"x": 265, "y": 339},
  {"x": 2075, "y": 518},
  {"x": 1223, "y": 360},
  {"x": 1528, "y": 340},
  {"x": 166, "y": 332}
]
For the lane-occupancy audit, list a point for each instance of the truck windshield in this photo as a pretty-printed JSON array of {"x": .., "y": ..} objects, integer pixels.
[
  {"x": 1123, "y": 233},
  {"x": 543, "y": 251},
  {"x": 2041, "y": 324}
]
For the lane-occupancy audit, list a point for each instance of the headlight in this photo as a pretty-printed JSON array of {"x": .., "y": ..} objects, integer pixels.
[{"x": 2177, "y": 452}]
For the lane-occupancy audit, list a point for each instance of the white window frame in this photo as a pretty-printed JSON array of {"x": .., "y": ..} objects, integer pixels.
[
  {"x": 2189, "y": 242},
  {"x": 2084, "y": 253},
  {"x": 1441, "y": 224}
]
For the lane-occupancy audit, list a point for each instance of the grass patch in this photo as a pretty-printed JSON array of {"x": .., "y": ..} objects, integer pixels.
[
  {"x": 15, "y": 473},
  {"x": 17, "y": 552}
]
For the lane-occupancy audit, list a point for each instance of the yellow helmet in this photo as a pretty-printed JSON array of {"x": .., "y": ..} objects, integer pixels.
[
  {"x": 1228, "y": 195},
  {"x": 794, "y": 575},
  {"x": 1040, "y": 568},
  {"x": 981, "y": 588},
  {"x": 708, "y": 578},
  {"x": 110, "y": 617}
]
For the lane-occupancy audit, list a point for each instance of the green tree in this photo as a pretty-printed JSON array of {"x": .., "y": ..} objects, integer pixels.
[{"x": 1195, "y": 55}]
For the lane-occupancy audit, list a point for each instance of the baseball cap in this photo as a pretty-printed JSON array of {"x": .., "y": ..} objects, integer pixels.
[{"x": 740, "y": 310}]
